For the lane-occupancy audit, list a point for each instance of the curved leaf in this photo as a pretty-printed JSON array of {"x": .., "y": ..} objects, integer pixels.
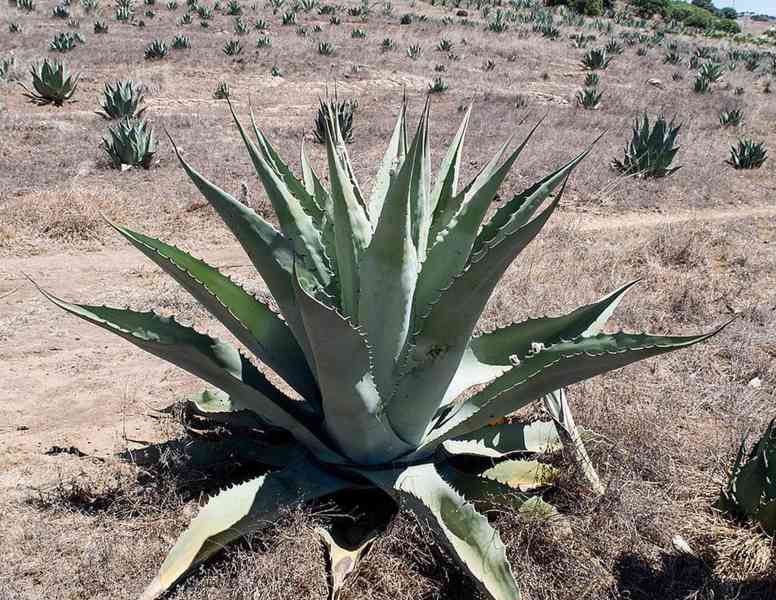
[
  {"x": 214, "y": 361},
  {"x": 552, "y": 368},
  {"x": 473, "y": 541},
  {"x": 496, "y": 441},
  {"x": 251, "y": 321},
  {"x": 238, "y": 511}
]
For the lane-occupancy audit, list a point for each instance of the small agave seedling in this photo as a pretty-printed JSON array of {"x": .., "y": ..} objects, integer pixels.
[
  {"x": 380, "y": 296},
  {"x": 748, "y": 154},
  {"x": 52, "y": 82},
  {"x": 222, "y": 91},
  {"x": 131, "y": 144},
  {"x": 750, "y": 492},
  {"x": 122, "y": 99},
  {"x": 651, "y": 149},
  {"x": 326, "y": 49}
]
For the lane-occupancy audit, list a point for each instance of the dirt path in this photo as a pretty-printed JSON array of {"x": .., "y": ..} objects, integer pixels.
[{"x": 65, "y": 383}]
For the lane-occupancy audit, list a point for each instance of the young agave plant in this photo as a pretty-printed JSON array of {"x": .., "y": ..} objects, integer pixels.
[
  {"x": 341, "y": 111},
  {"x": 595, "y": 59},
  {"x": 731, "y": 118},
  {"x": 751, "y": 489},
  {"x": 52, "y": 82},
  {"x": 380, "y": 298},
  {"x": 131, "y": 144},
  {"x": 651, "y": 149},
  {"x": 589, "y": 98},
  {"x": 122, "y": 99},
  {"x": 748, "y": 154}
]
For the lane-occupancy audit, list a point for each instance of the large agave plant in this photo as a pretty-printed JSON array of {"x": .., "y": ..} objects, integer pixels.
[
  {"x": 750, "y": 492},
  {"x": 52, "y": 82},
  {"x": 122, "y": 99},
  {"x": 380, "y": 296}
]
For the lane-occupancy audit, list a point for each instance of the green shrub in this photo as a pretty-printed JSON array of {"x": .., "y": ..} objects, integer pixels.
[{"x": 328, "y": 110}]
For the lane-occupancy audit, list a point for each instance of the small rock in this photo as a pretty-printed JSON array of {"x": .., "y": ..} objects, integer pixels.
[
  {"x": 461, "y": 13},
  {"x": 755, "y": 383},
  {"x": 655, "y": 82}
]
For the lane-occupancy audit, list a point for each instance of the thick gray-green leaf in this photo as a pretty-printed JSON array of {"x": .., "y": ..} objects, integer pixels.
[
  {"x": 295, "y": 222},
  {"x": 239, "y": 511},
  {"x": 496, "y": 441},
  {"x": 471, "y": 538},
  {"x": 517, "y": 212},
  {"x": 388, "y": 272},
  {"x": 451, "y": 248},
  {"x": 446, "y": 184},
  {"x": 298, "y": 188},
  {"x": 552, "y": 368},
  {"x": 352, "y": 407},
  {"x": 352, "y": 230},
  {"x": 214, "y": 361},
  {"x": 501, "y": 346},
  {"x": 392, "y": 161},
  {"x": 268, "y": 249},
  {"x": 420, "y": 184},
  {"x": 435, "y": 352},
  {"x": 251, "y": 321}
]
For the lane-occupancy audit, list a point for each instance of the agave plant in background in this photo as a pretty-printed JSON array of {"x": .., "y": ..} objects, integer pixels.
[
  {"x": 731, "y": 118},
  {"x": 596, "y": 58},
  {"x": 711, "y": 71},
  {"x": 131, "y": 143},
  {"x": 122, "y": 99},
  {"x": 222, "y": 91},
  {"x": 651, "y": 149},
  {"x": 232, "y": 48},
  {"x": 156, "y": 50},
  {"x": 6, "y": 67},
  {"x": 343, "y": 113},
  {"x": 437, "y": 85},
  {"x": 63, "y": 42},
  {"x": 52, "y": 82},
  {"x": 589, "y": 98},
  {"x": 380, "y": 298},
  {"x": 181, "y": 42},
  {"x": 748, "y": 154},
  {"x": 750, "y": 493}
]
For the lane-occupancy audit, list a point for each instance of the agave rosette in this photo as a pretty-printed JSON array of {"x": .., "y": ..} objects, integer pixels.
[{"x": 379, "y": 296}]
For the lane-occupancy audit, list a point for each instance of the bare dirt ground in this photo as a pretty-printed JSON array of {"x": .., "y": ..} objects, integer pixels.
[{"x": 702, "y": 240}]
